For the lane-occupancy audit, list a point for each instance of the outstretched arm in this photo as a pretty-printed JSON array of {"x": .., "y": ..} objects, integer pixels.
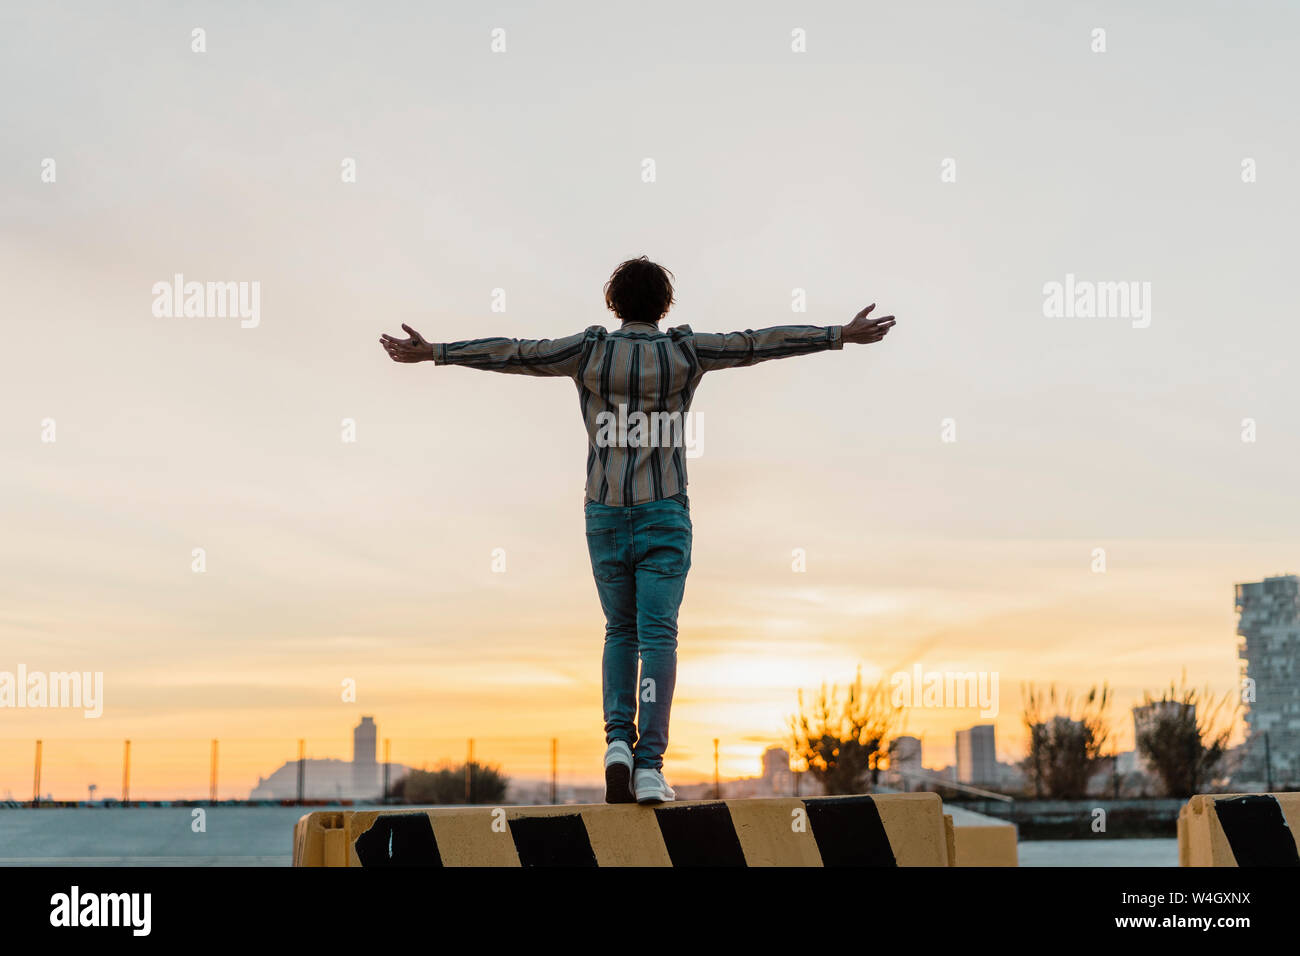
[
  {"x": 518, "y": 356},
  {"x": 737, "y": 349}
]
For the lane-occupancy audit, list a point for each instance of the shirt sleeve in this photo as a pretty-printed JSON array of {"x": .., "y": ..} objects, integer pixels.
[
  {"x": 516, "y": 356},
  {"x": 717, "y": 350}
]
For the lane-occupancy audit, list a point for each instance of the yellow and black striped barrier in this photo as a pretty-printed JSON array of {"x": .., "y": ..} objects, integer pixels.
[
  {"x": 1254, "y": 829},
  {"x": 886, "y": 830},
  {"x": 980, "y": 840}
]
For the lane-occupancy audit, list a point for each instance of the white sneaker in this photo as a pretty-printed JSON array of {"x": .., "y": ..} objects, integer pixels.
[
  {"x": 618, "y": 773},
  {"x": 652, "y": 788}
]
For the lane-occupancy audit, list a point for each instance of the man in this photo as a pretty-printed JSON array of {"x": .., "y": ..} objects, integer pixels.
[{"x": 638, "y": 516}]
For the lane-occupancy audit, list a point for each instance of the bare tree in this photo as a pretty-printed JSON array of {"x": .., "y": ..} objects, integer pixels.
[
  {"x": 1178, "y": 739},
  {"x": 1066, "y": 739},
  {"x": 842, "y": 738}
]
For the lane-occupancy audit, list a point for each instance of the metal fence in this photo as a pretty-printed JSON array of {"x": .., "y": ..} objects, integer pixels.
[{"x": 141, "y": 770}]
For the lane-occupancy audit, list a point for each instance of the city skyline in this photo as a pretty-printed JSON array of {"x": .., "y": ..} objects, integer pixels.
[{"x": 971, "y": 763}]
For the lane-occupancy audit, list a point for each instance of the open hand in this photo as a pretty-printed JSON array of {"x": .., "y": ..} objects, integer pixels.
[
  {"x": 863, "y": 330},
  {"x": 414, "y": 349}
]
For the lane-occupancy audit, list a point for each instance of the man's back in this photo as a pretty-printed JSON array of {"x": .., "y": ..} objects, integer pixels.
[{"x": 635, "y": 387}]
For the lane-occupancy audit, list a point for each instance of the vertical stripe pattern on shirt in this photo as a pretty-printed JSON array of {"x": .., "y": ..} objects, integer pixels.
[{"x": 637, "y": 370}]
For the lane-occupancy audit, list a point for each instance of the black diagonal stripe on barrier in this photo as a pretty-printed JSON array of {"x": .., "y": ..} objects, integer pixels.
[
  {"x": 700, "y": 836},
  {"x": 399, "y": 839},
  {"x": 1257, "y": 831},
  {"x": 849, "y": 831},
  {"x": 552, "y": 841}
]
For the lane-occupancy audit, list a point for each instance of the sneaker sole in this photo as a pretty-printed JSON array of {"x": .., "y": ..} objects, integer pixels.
[
  {"x": 618, "y": 784},
  {"x": 656, "y": 797}
]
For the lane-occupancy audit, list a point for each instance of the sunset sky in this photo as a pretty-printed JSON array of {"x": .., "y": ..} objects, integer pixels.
[{"x": 371, "y": 560}]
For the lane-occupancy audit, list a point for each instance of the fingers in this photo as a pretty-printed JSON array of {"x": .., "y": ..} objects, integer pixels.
[
  {"x": 865, "y": 312},
  {"x": 399, "y": 350},
  {"x": 881, "y": 327},
  {"x": 876, "y": 329},
  {"x": 413, "y": 349},
  {"x": 873, "y": 330}
]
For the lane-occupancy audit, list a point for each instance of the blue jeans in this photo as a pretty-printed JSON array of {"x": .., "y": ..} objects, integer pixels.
[{"x": 639, "y": 556}]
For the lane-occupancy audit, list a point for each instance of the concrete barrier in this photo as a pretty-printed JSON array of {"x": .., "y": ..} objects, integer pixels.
[
  {"x": 979, "y": 840},
  {"x": 1255, "y": 829},
  {"x": 885, "y": 830}
]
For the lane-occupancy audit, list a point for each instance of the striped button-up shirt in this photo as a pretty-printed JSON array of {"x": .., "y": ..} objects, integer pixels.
[{"x": 635, "y": 387}]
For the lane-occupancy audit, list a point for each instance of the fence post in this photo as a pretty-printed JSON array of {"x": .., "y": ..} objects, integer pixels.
[
  {"x": 717, "y": 787},
  {"x": 469, "y": 773},
  {"x": 212, "y": 795},
  {"x": 36, "y": 783},
  {"x": 388, "y": 766}
]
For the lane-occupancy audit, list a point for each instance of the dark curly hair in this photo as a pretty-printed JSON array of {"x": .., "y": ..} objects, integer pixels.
[{"x": 639, "y": 291}]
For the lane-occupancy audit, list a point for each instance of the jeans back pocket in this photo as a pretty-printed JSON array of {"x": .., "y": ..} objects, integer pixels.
[
  {"x": 602, "y": 545},
  {"x": 667, "y": 548}
]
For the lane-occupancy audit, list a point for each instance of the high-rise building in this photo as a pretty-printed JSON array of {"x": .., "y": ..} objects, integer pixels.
[
  {"x": 977, "y": 760},
  {"x": 777, "y": 777},
  {"x": 365, "y": 767},
  {"x": 905, "y": 754},
  {"x": 776, "y": 761},
  {"x": 1269, "y": 625}
]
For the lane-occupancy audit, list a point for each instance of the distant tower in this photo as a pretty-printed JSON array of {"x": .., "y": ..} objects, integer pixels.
[
  {"x": 365, "y": 769},
  {"x": 776, "y": 760},
  {"x": 977, "y": 760},
  {"x": 905, "y": 754},
  {"x": 776, "y": 770},
  {"x": 1269, "y": 625}
]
